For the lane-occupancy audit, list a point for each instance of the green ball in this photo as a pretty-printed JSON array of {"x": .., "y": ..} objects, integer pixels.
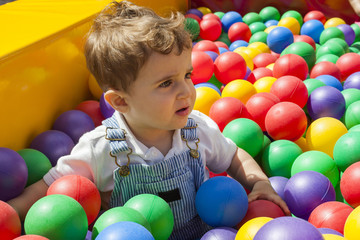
[
  {"x": 339, "y": 196},
  {"x": 156, "y": 211},
  {"x": 312, "y": 84},
  {"x": 347, "y": 150},
  {"x": 352, "y": 115},
  {"x": 355, "y": 128},
  {"x": 219, "y": 14},
  {"x": 294, "y": 14},
  {"x": 215, "y": 81},
  {"x": 257, "y": 27},
  {"x": 304, "y": 50},
  {"x": 278, "y": 158},
  {"x": 193, "y": 27},
  {"x": 118, "y": 214},
  {"x": 351, "y": 95},
  {"x": 251, "y": 17},
  {"x": 333, "y": 48},
  {"x": 57, "y": 217},
  {"x": 224, "y": 38},
  {"x": 354, "y": 50},
  {"x": 340, "y": 41},
  {"x": 266, "y": 143},
  {"x": 269, "y": 13},
  {"x": 328, "y": 57},
  {"x": 37, "y": 164},
  {"x": 319, "y": 162},
  {"x": 330, "y": 33},
  {"x": 259, "y": 37},
  {"x": 356, "y": 29},
  {"x": 246, "y": 134}
]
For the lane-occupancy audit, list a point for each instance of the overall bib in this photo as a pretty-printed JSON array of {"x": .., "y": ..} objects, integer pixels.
[{"x": 176, "y": 180}]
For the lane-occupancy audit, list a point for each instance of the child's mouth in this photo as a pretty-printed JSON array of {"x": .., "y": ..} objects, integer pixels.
[{"x": 183, "y": 111}]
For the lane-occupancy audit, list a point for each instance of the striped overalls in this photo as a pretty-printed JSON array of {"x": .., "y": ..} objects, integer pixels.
[{"x": 178, "y": 177}]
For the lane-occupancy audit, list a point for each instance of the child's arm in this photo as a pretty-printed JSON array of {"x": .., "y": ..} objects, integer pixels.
[
  {"x": 28, "y": 197},
  {"x": 244, "y": 169}
]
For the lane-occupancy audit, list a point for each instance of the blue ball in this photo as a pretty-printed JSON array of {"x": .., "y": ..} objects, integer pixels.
[
  {"x": 124, "y": 231},
  {"x": 210, "y": 85},
  {"x": 238, "y": 43},
  {"x": 229, "y": 19},
  {"x": 352, "y": 81},
  {"x": 279, "y": 38},
  {"x": 312, "y": 28},
  {"x": 212, "y": 54},
  {"x": 223, "y": 50},
  {"x": 271, "y": 22},
  {"x": 221, "y": 202},
  {"x": 330, "y": 80}
]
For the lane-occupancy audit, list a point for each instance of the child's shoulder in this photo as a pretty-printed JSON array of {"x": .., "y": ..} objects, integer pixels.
[{"x": 202, "y": 120}]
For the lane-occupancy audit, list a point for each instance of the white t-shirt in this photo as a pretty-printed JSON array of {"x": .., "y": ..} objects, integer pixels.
[{"x": 91, "y": 156}]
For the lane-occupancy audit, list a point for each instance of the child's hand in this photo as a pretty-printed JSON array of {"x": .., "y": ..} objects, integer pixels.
[{"x": 263, "y": 190}]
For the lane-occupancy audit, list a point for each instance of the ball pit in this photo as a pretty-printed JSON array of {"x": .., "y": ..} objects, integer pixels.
[
  {"x": 305, "y": 38},
  {"x": 229, "y": 66},
  {"x": 348, "y": 185},
  {"x": 229, "y": 19},
  {"x": 279, "y": 38},
  {"x": 210, "y": 29},
  {"x": 312, "y": 28},
  {"x": 203, "y": 67},
  {"x": 10, "y": 225},
  {"x": 352, "y": 81},
  {"x": 105, "y": 107},
  {"x": 125, "y": 230},
  {"x": 205, "y": 98},
  {"x": 91, "y": 108},
  {"x": 220, "y": 233},
  {"x": 31, "y": 237},
  {"x": 291, "y": 64},
  {"x": 325, "y": 68},
  {"x": 330, "y": 231},
  {"x": 346, "y": 151},
  {"x": 278, "y": 183},
  {"x": 258, "y": 73},
  {"x": 331, "y": 81},
  {"x": 249, "y": 229},
  {"x": 239, "y": 89},
  {"x": 348, "y": 63},
  {"x": 352, "y": 117}
]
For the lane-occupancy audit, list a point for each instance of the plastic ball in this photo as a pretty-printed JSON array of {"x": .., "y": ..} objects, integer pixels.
[
  {"x": 105, "y": 107},
  {"x": 269, "y": 13},
  {"x": 37, "y": 164},
  {"x": 291, "y": 23},
  {"x": 351, "y": 95},
  {"x": 212, "y": 54},
  {"x": 258, "y": 106},
  {"x": 240, "y": 89},
  {"x": 305, "y": 191},
  {"x": 331, "y": 215},
  {"x": 210, "y": 85},
  {"x": 195, "y": 11},
  {"x": 348, "y": 32},
  {"x": 329, "y": 231},
  {"x": 325, "y": 68},
  {"x": 258, "y": 73},
  {"x": 326, "y": 101},
  {"x": 221, "y": 202},
  {"x": 352, "y": 81},
  {"x": 259, "y": 37},
  {"x": 91, "y": 108},
  {"x": 118, "y": 214},
  {"x": 278, "y": 183},
  {"x": 238, "y": 43},
  {"x": 330, "y": 80},
  {"x": 210, "y": 29},
  {"x": 229, "y": 66},
  {"x": 10, "y": 225},
  {"x": 352, "y": 116},
  {"x": 305, "y": 38},
  {"x": 288, "y": 228},
  {"x": 242, "y": 51},
  {"x": 290, "y": 89},
  {"x": 220, "y": 233},
  {"x": 203, "y": 67},
  {"x": 239, "y": 31},
  {"x": 263, "y": 59},
  {"x": 206, "y": 45},
  {"x": 249, "y": 229},
  {"x": 352, "y": 225},
  {"x": 333, "y": 22},
  {"x": 319, "y": 162},
  {"x": 227, "y": 109},
  {"x": 211, "y": 16},
  {"x": 333, "y": 237},
  {"x": 193, "y": 27},
  {"x": 205, "y": 98},
  {"x": 294, "y": 14},
  {"x": 31, "y": 237},
  {"x": 304, "y": 50},
  {"x": 13, "y": 174},
  {"x": 82, "y": 190},
  {"x": 156, "y": 211},
  {"x": 327, "y": 57},
  {"x": 285, "y": 120},
  {"x": 229, "y": 19},
  {"x": 356, "y": 29},
  {"x": 246, "y": 134},
  {"x": 257, "y": 27},
  {"x": 312, "y": 28},
  {"x": 54, "y": 144},
  {"x": 251, "y": 17},
  {"x": 270, "y": 23},
  {"x": 264, "y": 84},
  {"x": 291, "y": 64},
  {"x": 194, "y": 17},
  {"x": 329, "y": 33},
  {"x": 124, "y": 231},
  {"x": 330, "y": 48},
  {"x": 348, "y": 64},
  {"x": 94, "y": 87},
  {"x": 315, "y": 14},
  {"x": 56, "y": 217},
  {"x": 279, "y": 38},
  {"x": 204, "y": 10},
  {"x": 349, "y": 181}
]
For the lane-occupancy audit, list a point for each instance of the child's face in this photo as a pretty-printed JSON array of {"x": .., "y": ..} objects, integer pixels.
[{"x": 163, "y": 94}]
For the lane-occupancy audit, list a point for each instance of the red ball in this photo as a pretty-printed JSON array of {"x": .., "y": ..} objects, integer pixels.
[
  {"x": 331, "y": 214},
  {"x": 203, "y": 67},
  {"x": 259, "y": 104},
  {"x": 290, "y": 89},
  {"x": 211, "y": 16},
  {"x": 261, "y": 208},
  {"x": 229, "y": 66},
  {"x": 258, "y": 73},
  {"x": 291, "y": 64},
  {"x": 206, "y": 45},
  {"x": 263, "y": 59},
  {"x": 210, "y": 29},
  {"x": 325, "y": 68},
  {"x": 31, "y": 237},
  {"x": 348, "y": 63},
  {"x": 194, "y": 16},
  {"x": 349, "y": 184},
  {"x": 10, "y": 225},
  {"x": 221, "y": 44},
  {"x": 315, "y": 15},
  {"x": 92, "y": 108},
  {"x": 82, "y": 190},
  {"x": 239, "y": 31},
  {"x": 305, "y": 38},
  {"x": 227, "y": 109},
  {"x": 285, "y": 120}
]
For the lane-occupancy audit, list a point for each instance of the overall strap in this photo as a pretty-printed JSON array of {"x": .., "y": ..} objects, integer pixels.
[
  {"x": 189, "y": 131},
  {"x": 115, "y": 135}
]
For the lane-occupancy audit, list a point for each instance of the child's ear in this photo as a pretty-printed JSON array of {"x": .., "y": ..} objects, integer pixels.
[{"x": 117, "y": 100}]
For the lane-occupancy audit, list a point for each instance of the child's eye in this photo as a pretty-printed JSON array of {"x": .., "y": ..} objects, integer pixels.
[
  {"x": 165, "y": 84},
  {"x": 188, "y": 75}
]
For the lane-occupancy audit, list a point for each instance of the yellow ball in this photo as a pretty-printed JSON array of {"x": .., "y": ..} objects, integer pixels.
[
  {"x": 246, "y": 57},
  {"x": 333, "y": 22},
  {"x": 262, "y": 47},
  {"x": 291, "y": 23},
  {"x": 205, "y": 97},
  {"x": 240, "y": 89},
  {"x": 249, "y": 229},
  {"x": 352, "y": 225},
  {"x": 94, "y": 87},
  {"x": 252, "y": 52},
  {"x": 323, "y": 133},
  {"x": 264, "y": 84},
  {"x": 301, "y": 142},
  {"x": 333, "y": 237},
  {"x": 204, "y": 10},
  {"x": 268, "y": 29},
  {"x": 270, "y": 66}
]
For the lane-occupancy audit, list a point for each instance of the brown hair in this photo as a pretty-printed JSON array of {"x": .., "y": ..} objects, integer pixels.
[{"x": 122, "y": 38}]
